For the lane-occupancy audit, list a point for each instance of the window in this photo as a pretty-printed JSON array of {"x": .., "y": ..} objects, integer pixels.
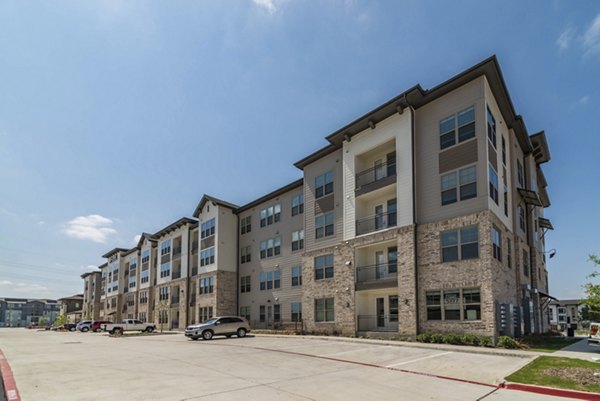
[
  {"x": 261, "y": 313},
  {"x": 493, "y": 184},
  {"x": 270, "y": 215},
  {"x": 207, "y": 228},
  {"x": 491, "y": 127},
  {"x": 324, "y": 184},
  {"x": 297, "y": 240},
  {"x": 324, "y": 310},
  {"x": 454, "y": 304},
  {"x": 245, "y": 254},
  {"x": 296, "y": 276},
  {"x": 245, "y": 312},
  {"x": 163, "y": 293},
  {"x": 520, "y": 177},
  {"x": 508, "y": 253},
  {"x": 165, "y": 269},
  {"x": 163, "y": 317},
  {"x": 270, "y": 280},
  {"x": 246, "y": 224},
  {"x": 505, "y": 201},
  {"x": 143, "y": 297},
  {"x": 144, "y": 277},
  {"x": 270, "y": 248},
  {"x": 324, "y": 225},
  {"x": 521, "y": 218},
  {"x": 207, "y": 285},
  {"x": 463, "y": 122},
  {"x": 467, "y": 181},
  {"x": 525, "y": 263},
  {"x": 496, "y": 244},
  {"x": 165, "y": 247},
  {"x": 276, "y": 313},
  {"x": 145, "y": 256},
  {"x": 206, "y": 313},
  {"x": 296, "y": 312},
  {"x": 323, "y": 267},
  {"x": 131, "y": 282},
  {"x": 297, "y": 204},
  {"x": 207, "y": 256},
  {"x": 142, "y": 316},
  {"x": 460, "y": 244},
  {"x": 504, "y": 150},
  {"x": 245, "y": 284}
]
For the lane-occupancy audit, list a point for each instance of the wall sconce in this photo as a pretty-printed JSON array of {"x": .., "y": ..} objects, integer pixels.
[
  {"x": 406, "y": 302},
  {"x": 348, "y": 263}
]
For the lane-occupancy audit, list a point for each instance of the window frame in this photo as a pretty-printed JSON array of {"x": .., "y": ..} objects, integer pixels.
[
  {"x": 496, "y": 243},
  {"x": 323, "y": 270},
  {"x": 458, "y": 186},
  {"x": 460, "y": 243},
  {"x": 326, "y": 186},
  {"x": 297, "y": 204},
  {"x": 441, "y": 306},
  {"x": 321, "y": 223},
  {"x": 458, "y": 137},
  {"x": 325, "y": 306}
]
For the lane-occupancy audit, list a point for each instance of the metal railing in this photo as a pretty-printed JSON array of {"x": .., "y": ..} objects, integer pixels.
[
  {"x": 378, "y": 323},
  {"x": 175, "y": 274},
  {"x": 376, "y": 222},
  {"x": 383, "y": 271},
  {"x": 375, "y": 173},
  {"x": 176, "y": 252},
  {"x": 270, "y": 324}
]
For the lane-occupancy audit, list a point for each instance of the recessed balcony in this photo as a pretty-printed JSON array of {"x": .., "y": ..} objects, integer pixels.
[
  {"x": 376, "y": 222},
  {"x": 378, "y": 176},
  {"x": 380, "y": 275}
]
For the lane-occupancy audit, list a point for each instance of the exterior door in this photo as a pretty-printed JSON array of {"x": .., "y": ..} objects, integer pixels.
[
  {"x": 392, "y": 260},
  {"x": 379, "y": 170},
  {"x": 380, "y": 305},
  {"x": 391, "y": 212},
  {"x": 380, "y": 270},
  {"x": 378, "y": 217},
  {"x": 269, "y": 315},
  {"x": 393, "y": 302}
]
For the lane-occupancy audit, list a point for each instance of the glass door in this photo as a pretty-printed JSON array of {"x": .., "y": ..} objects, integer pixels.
[
  {"x": 380, "y": 305},
  {"x": 380, "y": 269}
]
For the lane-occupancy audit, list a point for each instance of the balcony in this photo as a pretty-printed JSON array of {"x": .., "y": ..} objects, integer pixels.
[
  {"x": 377, "y": 276},
  {"x": 176, "y": 252},
  {"x": 381, "y": 323},
  {"x": 176, "y": 274},
  {"x": 195, "y": 247},
  {"x": 376, "y": 177},
  {"x": 174, "y": 301},
  {"x": 376, "y": 222}
]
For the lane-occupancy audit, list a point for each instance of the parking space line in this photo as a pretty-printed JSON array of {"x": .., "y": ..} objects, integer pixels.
[{"x": 418, "y": 359}]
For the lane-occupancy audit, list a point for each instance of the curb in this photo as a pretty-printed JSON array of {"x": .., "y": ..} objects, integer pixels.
[
  {"x": 574, "y": 394},
  {"x": 10, "y": 387}
]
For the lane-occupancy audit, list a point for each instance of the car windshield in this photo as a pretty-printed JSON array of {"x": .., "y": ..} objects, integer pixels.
[{"x": 210, "y": 321}]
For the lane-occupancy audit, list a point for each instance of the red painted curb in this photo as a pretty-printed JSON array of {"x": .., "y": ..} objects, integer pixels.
[
  {"x": 10, "y": 387},
  {"x": 578, "y": 395}
]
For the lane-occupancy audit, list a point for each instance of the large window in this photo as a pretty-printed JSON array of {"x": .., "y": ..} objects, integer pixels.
[
  {"x": 323, "y": 267},
  {"x": 270, "y": 280},
  {"x": 245, "y": 254},
  {"x": 521, "y": 218},
  {"x": 463, "y": 124},
  {"x": 520, "y": 176},
  {"x": 504, "y": 150},
  {"x": 207, "y": 228},
  {"x": 296, "y": 312},
  {"x": 270, "y": 247},
  {"x": 165, "y": 247},
  {"x": 297, "y": 240},
  {"x": 145, "y": 256},
  {"x": 205, "y": 313},
  {"x": 165, "y": 269},
  {"x": 324, "y": 184},
  {"x": 496, "y": 244},
  {"x": 245, "y": 312},
  {"x": 454, "y": 304},
  {"x": 245, "y": 284},
  {"x": 493, "y": 185},
  {"x": 297, "y": 204},
  {"x": 296, "y": 276},
  {"x": 491, "y": 128},
  {"x": 270, "y": 215},
  {"x": 460, "y": 244},
  {"x": 465, "y": 179},
  {"x": 246, "y": 224},
  {"x": 207, "y": 256},
  {"x": 525, "y": 263},
  {"x": 163, "y": 293},
  {"x": 324, "y": 225},
  {"x": 207, "y": 285},
  {"x": 508, "y": 253},
  {"x": 324, "y": 310}
]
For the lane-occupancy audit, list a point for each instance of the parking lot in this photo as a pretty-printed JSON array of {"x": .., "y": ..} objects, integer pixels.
[{"x": 90, "y": 366}]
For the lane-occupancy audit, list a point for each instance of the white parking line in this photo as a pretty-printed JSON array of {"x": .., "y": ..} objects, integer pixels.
[{"x": 418, "y": 359}]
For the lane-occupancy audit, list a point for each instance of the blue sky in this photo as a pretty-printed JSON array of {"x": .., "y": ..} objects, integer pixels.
[{"x": 115, "y": 117}]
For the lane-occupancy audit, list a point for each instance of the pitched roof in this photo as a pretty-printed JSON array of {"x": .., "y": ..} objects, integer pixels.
[
  {"x": 271, "y": 195},
  {"x": 147, "y": 236},
  {"x": 113, "y": 251},
  {"x": 216, "y": 201},
  {"x": 174, "y": 226}
]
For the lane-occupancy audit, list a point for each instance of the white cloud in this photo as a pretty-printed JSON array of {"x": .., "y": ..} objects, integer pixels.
[
  {"x": 5, "y": 283},
  {"x": 564, "y": 40},
  {"x": 88, "y": 267},
  {"x": 584, "y": 99},
  {"x": 23, "y": 288},
  {"x": 93, "y": 227},
  {"x": 268, "y": 5},
  {"x": 136, "y": 239},
  {"x": 41, "y": 223},
  {"x": 591, "y": 38}
]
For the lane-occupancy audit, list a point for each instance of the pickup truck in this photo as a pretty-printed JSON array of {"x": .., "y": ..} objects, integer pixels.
[{"x": 128, "y": 325}]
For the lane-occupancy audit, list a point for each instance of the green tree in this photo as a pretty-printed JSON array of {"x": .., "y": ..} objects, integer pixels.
[
  {"x": 162, "y": 306},
  {"x": 60, "y": 320},
  {"x": 41, "y": 321},
  {"x": 592, "y": 293}
]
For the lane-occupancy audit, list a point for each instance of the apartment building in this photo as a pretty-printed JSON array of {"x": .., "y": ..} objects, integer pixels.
[
  {"x": 424, "y": 215},
  {"x": 71, "y": 307},
  {"x": 22, "y": 312},
  {"x": 148, "y": 251},
  {"x": 91, "y": 304}
]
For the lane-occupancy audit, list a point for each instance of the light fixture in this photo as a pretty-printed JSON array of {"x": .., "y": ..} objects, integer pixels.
[
  {"x": 372, "y": 124},
  {"x": 348, "y": 263}
]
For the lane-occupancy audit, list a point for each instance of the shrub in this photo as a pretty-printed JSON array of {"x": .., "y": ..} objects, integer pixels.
[
  {"x": 508, "y": 343},
  {"x": 470, "y": 339},
  {"x": 424, "y": 338},
  {"x": 485, "y": 341},
  {"x": 437, "y": 338},
  {"x": 455, "y": 339}
]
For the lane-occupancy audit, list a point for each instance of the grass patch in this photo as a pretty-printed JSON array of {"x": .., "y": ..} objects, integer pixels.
[
  {"x": 546, "y": 343},
  {"x": 566, "y": 373}
]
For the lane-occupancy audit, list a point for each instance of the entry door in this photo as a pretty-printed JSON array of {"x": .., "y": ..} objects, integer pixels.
[
  {"x": 379, "y": 265},
  {"x": 379, "y": 170},
  {"x": 378, "y": 217},
  {"x": 380, "y": 305}
]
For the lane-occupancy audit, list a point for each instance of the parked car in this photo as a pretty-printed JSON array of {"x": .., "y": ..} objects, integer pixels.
[
  {"x": 84, "y": 325},
  {"x": 219, "y": 326},
  {"x": 96, "y": 325},
  {"x": 128, "y": 325},
  {"x": 66, "y": 327},
  {"x": 594, "y": 334}
]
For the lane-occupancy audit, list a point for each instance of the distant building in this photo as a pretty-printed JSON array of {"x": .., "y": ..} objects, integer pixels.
[
  {"x": 72, "y": 307},
  {"x": 22, "y": 312},
  {"x": 565, "y": 312}
]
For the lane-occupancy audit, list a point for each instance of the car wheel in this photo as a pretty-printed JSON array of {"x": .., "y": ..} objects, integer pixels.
[
  {"x": 194, "y": 338},
  {"x": 119, "y": 331},
  {"x": 72, "y": 329},
  {"x": 96, "y": 330},
  {"x": 207, "y": 334},
  {"x": 111, "y": 332},
  {"x": 149, "y": 329},
  {"x": 84, "y": 329},
  {"x": 241, "y": 332}
]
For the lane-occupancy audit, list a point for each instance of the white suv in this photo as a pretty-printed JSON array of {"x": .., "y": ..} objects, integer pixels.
[{"x": 219, "y": 326}]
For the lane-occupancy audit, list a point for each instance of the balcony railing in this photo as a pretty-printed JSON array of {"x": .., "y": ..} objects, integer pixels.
[
  {"x": 378, "y": 323},
  {"x": 376, "y": 222},
  {"x": 174, "y": 301},
  {"x": 176, "y": 252},
  {"x": 176, "y": 274},
  {"x": 376, "y": 173},
  {"x": 383, "y": 271}
]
